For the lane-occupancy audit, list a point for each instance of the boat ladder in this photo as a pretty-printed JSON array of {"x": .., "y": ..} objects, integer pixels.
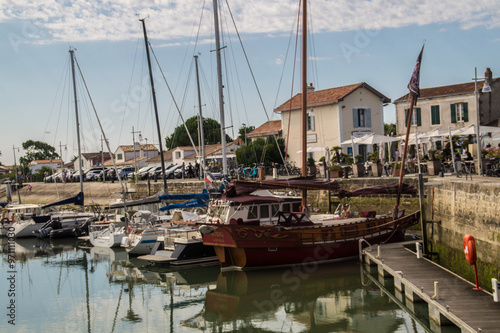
[{"x": 360, "y": 246}]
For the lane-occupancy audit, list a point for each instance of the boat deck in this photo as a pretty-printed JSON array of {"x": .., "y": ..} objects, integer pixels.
[{"x": 453, "y": 302}]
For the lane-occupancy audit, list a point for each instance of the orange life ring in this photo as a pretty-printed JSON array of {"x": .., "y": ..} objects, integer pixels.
[
  {"x": 129, "y": 229},
  {"x": 470, "y": 249},
  {"x": 5, "y": 220}
]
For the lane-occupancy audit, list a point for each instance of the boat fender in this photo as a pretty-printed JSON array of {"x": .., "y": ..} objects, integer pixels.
[
  {"x": 205, "y": 229},
  {"x": 129, "y": 229},
  {"x": 111, "y": 228},
  {"x": 470, "y": 249},
  {"x": 5, "y": 220},
  {"x": 12, "y": 218}
]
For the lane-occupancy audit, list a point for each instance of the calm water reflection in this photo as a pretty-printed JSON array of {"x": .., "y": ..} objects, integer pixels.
[{"x": 72, "y": 287}]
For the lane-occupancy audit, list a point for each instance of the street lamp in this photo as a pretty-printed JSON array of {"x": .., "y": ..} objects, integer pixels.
[
  {"x": 486, "y": 88},
  {"x": 15, "y": 163}
]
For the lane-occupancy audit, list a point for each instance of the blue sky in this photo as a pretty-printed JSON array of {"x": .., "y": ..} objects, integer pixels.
[{"x": 353, "y": 41}]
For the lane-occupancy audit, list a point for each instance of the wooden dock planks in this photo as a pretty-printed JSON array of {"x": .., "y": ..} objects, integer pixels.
[{"x": 470, "y": 310}]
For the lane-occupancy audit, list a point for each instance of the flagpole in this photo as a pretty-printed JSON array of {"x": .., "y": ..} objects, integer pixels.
[
  {"x": 403, "y": 158},
  {"x": 413, "y": 85}
]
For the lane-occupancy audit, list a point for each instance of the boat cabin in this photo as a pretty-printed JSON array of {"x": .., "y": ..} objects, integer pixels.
[{"x": 260, "y": 205}]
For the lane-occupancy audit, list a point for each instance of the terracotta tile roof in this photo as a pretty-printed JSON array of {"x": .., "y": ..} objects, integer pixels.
[
  {"x": 268, "y": 128},
  {"x": 327, "y": 96},
  {"x": 109, "y": 163},
  {"x": 454, "y": 89},
  {"x": 54, "y": 161},
  {"x": 127, "y": 148},
  {"x": 167, "y": 156}
]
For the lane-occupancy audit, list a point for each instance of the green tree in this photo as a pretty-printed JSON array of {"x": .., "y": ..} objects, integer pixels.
[
  {"x": 243, "y": 132},
  {"x": 211, "y": 129},
  {"x": 37, "y": 150},
  {"x": 390, "y": 128},
  {"x": 261, "y": 150}
]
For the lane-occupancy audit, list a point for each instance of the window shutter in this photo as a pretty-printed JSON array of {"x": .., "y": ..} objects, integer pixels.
[
  {"x": 453, "y": 114},
  {"x": 435, "y": 118},
  {"x": 419, "y": 117},
  {"x": 407, "y": 111},
  {"x": 368, "y": 117},
  {"x": 355, "y": 116},
  {"x": 466, "y": 112}
]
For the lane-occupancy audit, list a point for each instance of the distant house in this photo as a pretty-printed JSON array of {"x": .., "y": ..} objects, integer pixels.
[
  {"x": 450, "y": 106},
  {"x": 36, "y": 165},
  {"x": 91, "y": 160},
  {"x": 126, "y": 153},
  {"x": 187, "y": 154},
  {"x": 3, "y": 170},
  {"x": 266, "y": 130},
  {"x": 333, "y": 115}
]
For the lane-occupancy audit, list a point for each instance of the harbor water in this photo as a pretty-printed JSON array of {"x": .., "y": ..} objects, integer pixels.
[{"x": 70, "y": 286}]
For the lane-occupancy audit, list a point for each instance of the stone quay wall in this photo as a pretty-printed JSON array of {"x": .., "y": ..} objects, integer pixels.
[{"x": 458, "y": 207}]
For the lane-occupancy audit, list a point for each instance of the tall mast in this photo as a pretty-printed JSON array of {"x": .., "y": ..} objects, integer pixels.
[
  {"x": 202, "y": 135},
  {"x": 304, "y": 98},
  {"x": 221, "y": 94},
  {"x": 71, "y": 52},
  {"x": 155, "y": 105}
]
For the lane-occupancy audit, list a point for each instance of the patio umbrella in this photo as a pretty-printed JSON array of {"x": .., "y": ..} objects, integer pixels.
[
  {"x": 381, "y": 151},
  {"x": 376, "y": 139},
  {"x": 471, "y": 129},
  {"x": 311, "y": 149}
]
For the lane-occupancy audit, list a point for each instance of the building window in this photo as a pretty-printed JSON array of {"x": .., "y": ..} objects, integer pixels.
[
  {"x": 435, "y": 116},
  {"x": 310, "y": 120},
  {"x": 362, "y": 117},
  {"x": 119, "y": 156},
  {"x": 459, "y": 112},
  {"x": 416, "y": 117},
  {"x": 177, "y": 155}
]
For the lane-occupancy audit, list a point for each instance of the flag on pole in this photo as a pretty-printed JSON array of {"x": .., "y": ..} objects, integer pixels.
[
  {"x": 209, "y": 178},
  {"x": 415, "y": 78}
]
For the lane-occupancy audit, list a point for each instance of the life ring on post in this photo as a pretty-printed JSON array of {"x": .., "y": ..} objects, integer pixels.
[{"x": 470, "y": 249}]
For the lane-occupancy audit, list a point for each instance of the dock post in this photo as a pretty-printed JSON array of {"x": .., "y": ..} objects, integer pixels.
[
  {"x": 419, "y": 250},
  {"x": 436, "y": 290},
  {"x": 494, "y": 283},
  {"x": 422, "y": 211}
]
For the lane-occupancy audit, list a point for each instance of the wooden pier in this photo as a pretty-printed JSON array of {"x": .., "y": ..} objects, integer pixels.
[{"x": 451, "y": 299}]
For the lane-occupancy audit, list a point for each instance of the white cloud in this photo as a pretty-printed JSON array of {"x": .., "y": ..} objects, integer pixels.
[{"x": 71, "y": 21}]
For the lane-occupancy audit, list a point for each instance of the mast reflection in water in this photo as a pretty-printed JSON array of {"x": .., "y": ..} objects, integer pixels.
[{"x": 72, "y": 287}]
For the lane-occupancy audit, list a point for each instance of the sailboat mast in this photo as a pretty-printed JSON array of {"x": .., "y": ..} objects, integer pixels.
[
  {"x": 80, "y": 167},
  {"x": 202, "y": 135},
  {"x": 304, "y": 98},
  {"x": 155, "y": 105},
  {"x": 221, "y": 94}
]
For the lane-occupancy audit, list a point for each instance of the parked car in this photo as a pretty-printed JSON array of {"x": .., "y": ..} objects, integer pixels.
[
  {"x": 153, "y": 171},
  {"x": 125, "y": 171},
  {"x": 170, "y": 171},
  {"x": 142, "y": 173},
  {"x": 92, "y": 175},
  {"x": 76, "y": 176}
]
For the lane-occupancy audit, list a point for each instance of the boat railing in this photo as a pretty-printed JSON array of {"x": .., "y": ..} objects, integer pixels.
[{"x": 371, "y": 228}]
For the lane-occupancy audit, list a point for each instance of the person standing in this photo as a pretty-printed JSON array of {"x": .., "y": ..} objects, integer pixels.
[{"x": 183, "y": 170}]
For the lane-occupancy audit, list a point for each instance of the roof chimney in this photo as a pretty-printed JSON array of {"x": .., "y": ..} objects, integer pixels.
[{"x": 310, "y": 88}]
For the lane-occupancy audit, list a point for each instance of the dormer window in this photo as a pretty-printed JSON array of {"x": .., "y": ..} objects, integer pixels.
[{"x": 362, "y": 117}]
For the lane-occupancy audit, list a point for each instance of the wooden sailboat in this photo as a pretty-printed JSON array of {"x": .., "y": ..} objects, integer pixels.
[{"x": 296, "y": 238}]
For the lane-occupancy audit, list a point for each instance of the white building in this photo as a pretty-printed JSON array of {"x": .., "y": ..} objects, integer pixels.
[{"x": 333, "y": 115}]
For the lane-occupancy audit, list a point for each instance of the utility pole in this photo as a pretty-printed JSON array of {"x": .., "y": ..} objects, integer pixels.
[
  {"x": 15, "y": 170},
  {"x": 135, "y": 156}
]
